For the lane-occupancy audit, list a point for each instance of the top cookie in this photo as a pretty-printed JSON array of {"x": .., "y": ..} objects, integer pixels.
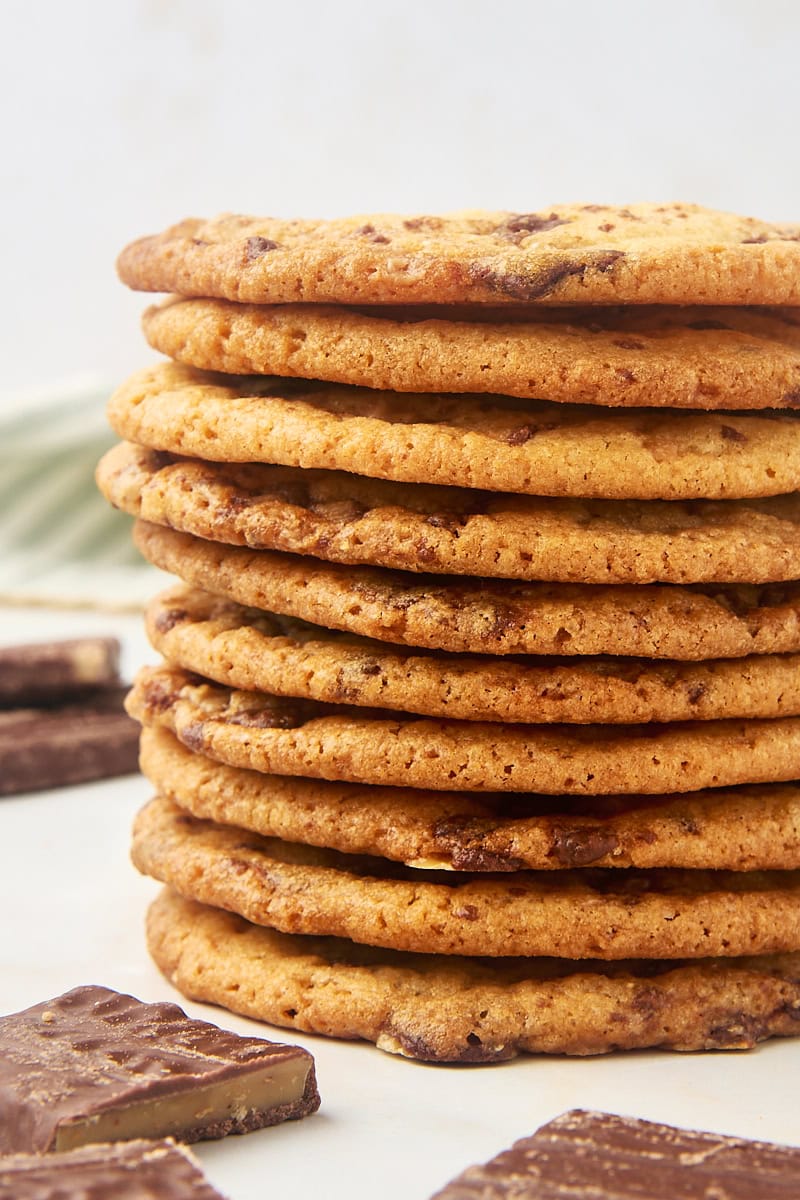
[{"x": 590, "y": 253}]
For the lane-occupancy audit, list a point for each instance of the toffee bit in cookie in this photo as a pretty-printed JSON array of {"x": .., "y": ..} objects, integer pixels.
[
  {"x": 535, "y": 284},
  {"x": 371, "y": 234},
  {"x": 518, "y": 437},
  {"x": 528, "y": 223},
  {"x": 431, "y": 224},
  {"x": 256, "y": 246},
  {"x": 95, "y": 1065}
]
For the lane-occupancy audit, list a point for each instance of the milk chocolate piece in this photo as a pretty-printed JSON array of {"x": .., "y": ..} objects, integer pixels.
[
  {"x": 54, "y": 747},
  {"x": 124, "y": 1171},
  {"x": 55, "y": 671},
  {"x": 97, "y": 1066},
  {"x": 603, "y": 1157}
]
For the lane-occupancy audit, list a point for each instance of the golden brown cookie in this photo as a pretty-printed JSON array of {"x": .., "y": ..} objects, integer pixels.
[
  {"x": 485, "y": 616},
  {"x": 746, "y": 829},
  {"x": 302, "y": 737},
  {"x": 469, "y": 1010},
  {"x": 343, "y": 518},
  {"x": 502, "y": 444},
  {"x": 706, "y": 358},
  {"x": 589, "y": 913},
  {"x": 257, "y": 651},
  {"x": 570, "y": 253}
]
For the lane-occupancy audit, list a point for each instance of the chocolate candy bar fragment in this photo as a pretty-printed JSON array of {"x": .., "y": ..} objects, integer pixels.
[
  {"x": 604, "y": 1157},
  {"x": 124, "y": 1171},
  {"x": 52, "y": 672},
  {"x": 95, "y": 1065},
  {"x": 55, "y": 747}
]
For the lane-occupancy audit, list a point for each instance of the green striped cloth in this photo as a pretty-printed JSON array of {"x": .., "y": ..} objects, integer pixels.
[{"x": 60, "y": 542}]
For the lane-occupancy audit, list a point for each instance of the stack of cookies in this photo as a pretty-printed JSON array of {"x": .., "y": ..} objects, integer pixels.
[{"x": 478, "y": 724}]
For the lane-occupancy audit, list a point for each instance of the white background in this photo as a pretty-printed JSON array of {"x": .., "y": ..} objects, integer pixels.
[{"x": 122, "y": 116}]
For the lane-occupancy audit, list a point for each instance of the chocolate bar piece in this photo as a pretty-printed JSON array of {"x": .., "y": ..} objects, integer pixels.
[
  {"x": 54, "y": 747},
  {"x": 94, "y": 1065},
  {"x": 604, "y": 1157},
  {"x": 55, "y": 671},
  {"x": 125, "y": 1171}
]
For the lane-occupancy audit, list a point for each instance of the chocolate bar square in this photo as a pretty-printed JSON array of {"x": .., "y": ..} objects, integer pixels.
[
  {"x": 123, "y": 1171},
  {"x": 605, "y": 1157},
  {"x": 95, "y": 1065}
]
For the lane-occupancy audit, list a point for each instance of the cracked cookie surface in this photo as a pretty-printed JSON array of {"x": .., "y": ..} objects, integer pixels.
[{"x": 574, "y": 253}]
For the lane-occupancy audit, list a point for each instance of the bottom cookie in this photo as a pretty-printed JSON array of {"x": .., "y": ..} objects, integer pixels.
[{"x": 469, "y": 1010}]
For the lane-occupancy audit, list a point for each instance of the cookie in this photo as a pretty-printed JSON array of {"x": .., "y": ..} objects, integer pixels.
[
  {"x": 588, "y": 913},
  {"x": 756, "y": 828},
  {"x": 500, "y": 445},
  {"x": 469, "y": 1010},
  {"x": 677, "y": 358},
  {"x": 302, "y": 737},
  {"x": 343, "y": 518},
  {"x": 574, "y": 253},
  {"x": 256, "y": 651},
  {"x": 485, "y": 617}
]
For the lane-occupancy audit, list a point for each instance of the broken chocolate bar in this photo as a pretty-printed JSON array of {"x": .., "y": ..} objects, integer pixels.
[
  {"x": 589, "y": 1154},
  {"x": 54, "y": 747},
  {"x": 94, "y": 1065},
  {"x": 50, "y": 672},
  {"x": 127, "y": 1171}
]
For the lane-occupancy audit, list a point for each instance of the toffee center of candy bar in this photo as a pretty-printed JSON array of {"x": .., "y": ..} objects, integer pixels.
[{"x": 195, "y": 1110}]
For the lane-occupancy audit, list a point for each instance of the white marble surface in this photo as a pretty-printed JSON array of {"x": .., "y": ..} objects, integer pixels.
[{"x": 72, "y": 910}]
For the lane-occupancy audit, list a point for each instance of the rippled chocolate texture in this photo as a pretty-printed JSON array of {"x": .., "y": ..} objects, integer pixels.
[
  {"x": 125, "y": 1171},
  {"x": 97, "y": 1066},
  {"x": 604, "y": 1157}
]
